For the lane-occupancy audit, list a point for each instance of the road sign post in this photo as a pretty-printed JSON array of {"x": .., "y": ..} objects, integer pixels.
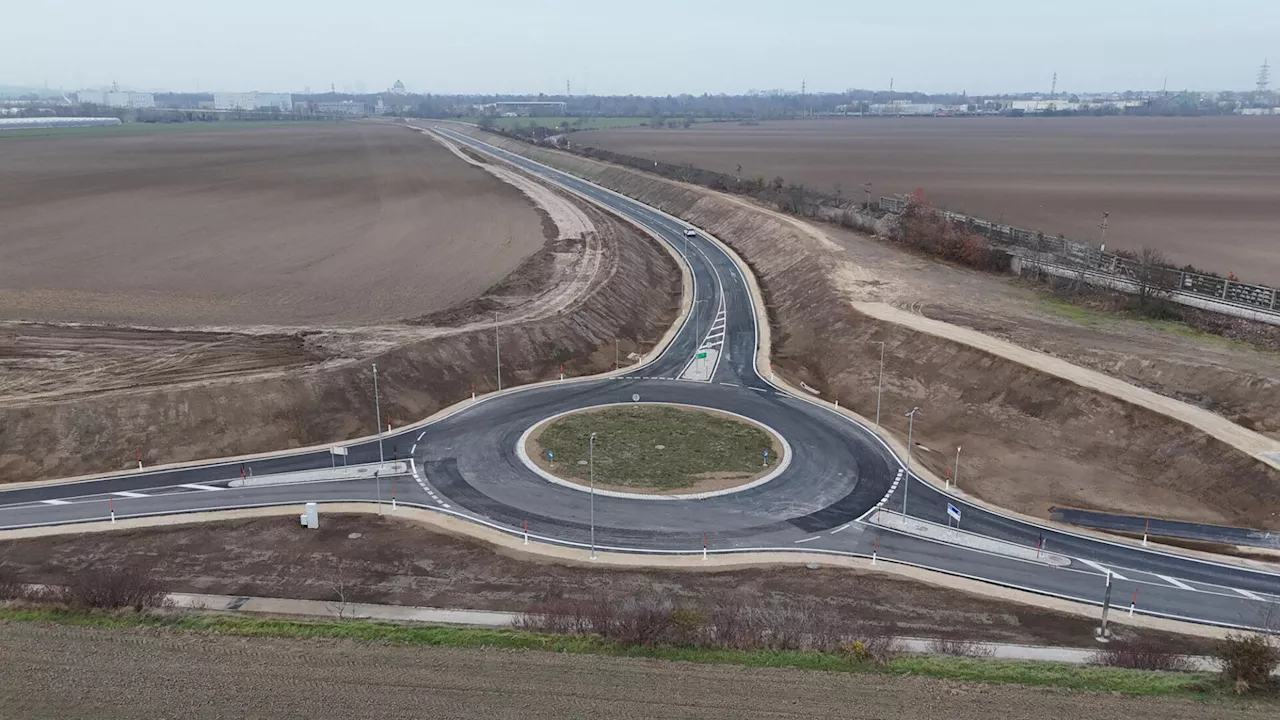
[{"x": 953, "y": 512}]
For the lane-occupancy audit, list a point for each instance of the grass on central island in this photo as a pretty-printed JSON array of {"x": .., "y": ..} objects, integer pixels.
[{"x": 696, "y": 446}]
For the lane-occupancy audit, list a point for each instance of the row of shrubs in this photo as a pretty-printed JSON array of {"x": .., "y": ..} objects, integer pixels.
[
  {"x": 743, "y": 622},
  {"x": 99, "y": 587},
  {"x": 732, "y": 621}
]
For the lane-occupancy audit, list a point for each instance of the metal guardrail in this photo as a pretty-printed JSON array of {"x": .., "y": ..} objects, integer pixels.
[{"x": 1259, "y": 298}]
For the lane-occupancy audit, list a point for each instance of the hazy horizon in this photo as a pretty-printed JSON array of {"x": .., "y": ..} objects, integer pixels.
[{"x": 660, "y": 47}]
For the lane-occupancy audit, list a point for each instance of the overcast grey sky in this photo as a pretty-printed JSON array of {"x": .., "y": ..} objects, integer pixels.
[{"x": 639, "y": 46}]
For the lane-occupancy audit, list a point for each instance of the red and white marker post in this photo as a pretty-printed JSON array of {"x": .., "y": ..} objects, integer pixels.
[
  {"x": 139, "y": 458},
  {"x": 111, "y": 505},
  {"x": 1133, "y": 603},
  {"x": 704, "y": 546},
  {"x": 875, "y": 551},
  {"x": 526, "y": 532},
  {"x": 1146, "y": 531}
]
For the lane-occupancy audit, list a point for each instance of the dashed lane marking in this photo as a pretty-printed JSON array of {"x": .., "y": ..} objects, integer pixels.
[
  {"x": 1175, "y": 582},
  {"x": 730, "y": 384},
  {"x": 56, "y": 502},
  {"x": 1102, "y": 569},
  {"x": 414, "y": 449},
  {"x": 422, "y": 435},
  {"x": 126, "y": 493},
  {"x": 198, "y": 486},
  {"x": 842, "y": 527},
  {"x": 808, "y": 539},
  {"x": 1247, "y": 594}
]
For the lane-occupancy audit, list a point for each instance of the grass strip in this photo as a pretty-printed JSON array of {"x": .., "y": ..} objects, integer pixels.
[{"x": 1096, "y": 679}]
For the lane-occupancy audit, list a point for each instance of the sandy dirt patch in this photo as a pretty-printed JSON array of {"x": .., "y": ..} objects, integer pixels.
[{"x": 1201, "y": 189}]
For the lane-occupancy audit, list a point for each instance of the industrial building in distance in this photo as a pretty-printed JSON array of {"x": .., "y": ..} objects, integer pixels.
[{"x": 252, "y": 101}]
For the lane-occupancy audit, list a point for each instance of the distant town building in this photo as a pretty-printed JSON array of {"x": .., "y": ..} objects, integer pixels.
[
  {"x": 116, "y": 98},
  {"x": 340, "y": 107},
  {"x": 398, "y": 89},
  {"x": 524, "y": 108},
  {"x": 253, "y": 101}
]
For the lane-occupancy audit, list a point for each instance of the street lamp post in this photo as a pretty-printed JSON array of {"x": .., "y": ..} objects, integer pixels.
[
  {"x": 906, "y": 482},
  {"x": 867, "y": 187},
  {"x": 377, "y": 414},
  {"x": 879, "y": 385},
  {"x": 591, "y": 473}
]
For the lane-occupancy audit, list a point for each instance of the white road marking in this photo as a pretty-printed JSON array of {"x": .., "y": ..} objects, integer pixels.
[
  {"x": 842, "y": 527},
  {"x": 1103, "y": 570},
  {"x": 1175, "y": 582},
  {"x": 414, "y": 449},
  {"x": 56, "y": 502},
  {"x": 424, "y": 434},
  {"x": 198, "y": 486},
  {"x": 1247, "y": 594},
  {"x": 126, "y": 493},
  {"x": 729, "y": 384},
  {"x": 760, "y": 389},
  {"x": 808, "y": 539}
]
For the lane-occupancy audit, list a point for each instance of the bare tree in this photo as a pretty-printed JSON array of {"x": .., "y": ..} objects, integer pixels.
[
  {"x": 1153, "y": 276},
  {"x": 341, "y": 586}
]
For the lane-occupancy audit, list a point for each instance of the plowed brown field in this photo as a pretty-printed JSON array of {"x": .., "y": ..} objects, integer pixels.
[
  {"x": 350, "y": 223},
  {"x": 1202, "y": 189}
]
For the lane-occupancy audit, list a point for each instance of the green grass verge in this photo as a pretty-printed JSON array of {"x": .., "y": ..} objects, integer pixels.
[
  {"x": 139, "y": 128},
  {"x": 1092, "y": 318},
  {"x": 1096, "y": 679},
  {"x": 627, "y": 440}
]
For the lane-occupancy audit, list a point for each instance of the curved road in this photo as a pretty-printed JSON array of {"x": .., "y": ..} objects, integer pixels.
[{"x": 465, "y": 464}]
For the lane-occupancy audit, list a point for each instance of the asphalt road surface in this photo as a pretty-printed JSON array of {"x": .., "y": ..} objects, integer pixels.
[{"x": 465, "y": 464}]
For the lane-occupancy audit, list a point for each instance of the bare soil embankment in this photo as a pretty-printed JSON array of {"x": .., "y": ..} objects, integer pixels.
[
  {"x": 1031, "y": 440},
  {"x": 566, "y": 304}
]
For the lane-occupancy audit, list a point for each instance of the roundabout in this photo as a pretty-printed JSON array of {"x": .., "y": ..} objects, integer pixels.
[
  {"x": 654, "y": 451},
  {"x": 471, "y": 463}
]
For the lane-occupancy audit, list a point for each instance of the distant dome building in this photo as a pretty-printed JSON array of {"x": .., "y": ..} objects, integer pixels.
[{"x": 398, "y": 89}]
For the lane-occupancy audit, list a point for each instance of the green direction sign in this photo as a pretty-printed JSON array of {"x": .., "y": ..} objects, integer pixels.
[{"x": 702, "y": 356}]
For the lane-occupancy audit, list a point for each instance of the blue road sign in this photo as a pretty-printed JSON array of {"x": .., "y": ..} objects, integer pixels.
[{"x": 953, "y": 511}]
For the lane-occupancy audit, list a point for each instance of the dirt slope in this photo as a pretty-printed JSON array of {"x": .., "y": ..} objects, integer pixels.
[{"x": 1032, "y": 440}]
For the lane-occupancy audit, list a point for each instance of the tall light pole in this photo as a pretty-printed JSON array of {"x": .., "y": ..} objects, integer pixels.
[
  {"x": 880, "y": 385},
  {"x": 497, "y": 350},
  {"x": 906, "y": 482},
  {"x": 1102, "y": 239},
  {"x": 867, "y": 187},
  {"x": 591, "y": 473},
  {"x": 377, "y": 414}
]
